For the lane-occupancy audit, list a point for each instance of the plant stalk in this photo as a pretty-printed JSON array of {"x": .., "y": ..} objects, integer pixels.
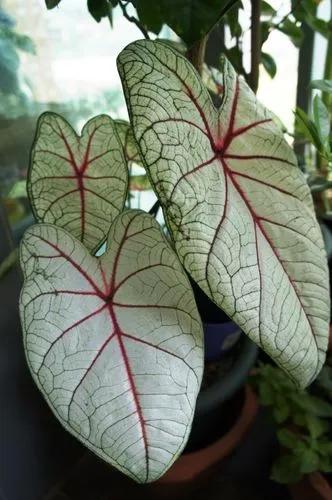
[
  {"x": 326, "y": 97},
  {"x": 303, "y": 91},
  {"x": 133, "y": 19},
  {"x": 256, "y": 7},
  {"x": 196, "y": 54}
]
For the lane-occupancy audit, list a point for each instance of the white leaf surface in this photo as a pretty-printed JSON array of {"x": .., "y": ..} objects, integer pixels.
[
  {"x": 78, "y": 183},
  {"x": 237, "y": 206},
  {"x": 114, "y": 344}
]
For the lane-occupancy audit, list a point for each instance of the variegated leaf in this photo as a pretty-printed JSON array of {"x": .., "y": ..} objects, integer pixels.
[
  {"x": 78, "y": 183},
  {"x": 237, "y": 206},
  {"x": 115, "y": 343}
]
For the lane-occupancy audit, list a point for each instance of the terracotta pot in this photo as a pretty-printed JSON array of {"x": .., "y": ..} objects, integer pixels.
[
  {"x": 312, "y": 487},
  {"x": 191, "y": 468}
]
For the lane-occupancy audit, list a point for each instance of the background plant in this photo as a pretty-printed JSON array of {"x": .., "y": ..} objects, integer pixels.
[
  {"x": 315, "y": 131},
  {"x": 302, "y": 419}
]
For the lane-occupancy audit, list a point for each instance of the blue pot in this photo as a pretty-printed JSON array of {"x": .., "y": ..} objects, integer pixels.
[{"x": 219, "y": 338}]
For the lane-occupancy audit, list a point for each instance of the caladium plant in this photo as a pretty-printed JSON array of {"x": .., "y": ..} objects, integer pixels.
[
  {"x": 115, "y": 342},
  {"x": 78, "y": 183},
  {"x": 237, "y": 206}
]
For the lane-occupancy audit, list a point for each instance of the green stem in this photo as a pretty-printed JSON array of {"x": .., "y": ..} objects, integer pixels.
[
  {"x": 326, "y": 97},
  {"x": 196, "y": 54}
]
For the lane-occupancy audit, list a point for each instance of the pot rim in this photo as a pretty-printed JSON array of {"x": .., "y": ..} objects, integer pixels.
[{"x": 191, "y": 465}]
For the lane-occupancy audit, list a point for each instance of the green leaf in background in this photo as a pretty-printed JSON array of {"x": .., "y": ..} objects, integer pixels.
[
  {"x": 19, "y": 190},
  {"x": 265, "y": 393},
  {"x": 326, "y": 448},
  {"x": 319, "y": 25},
  {"x": 267, "y": 9},
  {"x": 321, "y": 120},
  {"x": 232, "y": 20},
  {"x": 286, "y": 469},
  {"x": 281, "y": 412},
  {"x": 190, "y": 19},
  {"x": 150, "y": 14},
  {"x": 301, "y": 9},
  {"x": 304, "y": 435},
  {"x": 308, "y": 128},
  {"x": 324, "y": 85},
  {"x": 287, "y": 438},
  {"x": 139, "y": 183},
  {"x": 234, "y": 54},
  {"x": 309, "y": 461},
  {"x": 269, "y": 64},
  {"x": 291, "y": 29},
  {"x": 99, "y": 9},
  {"x": 326, "y": 463},
  {"x": 316, "y": 426},
  {"x": 50, "y": 4},
  {"x": 265, "y": 30},
  {"x": 313, "y": 405}
]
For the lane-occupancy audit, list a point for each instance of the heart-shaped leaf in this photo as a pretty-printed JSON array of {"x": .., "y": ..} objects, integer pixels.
[
  {"x": 115, "y": 343},
  {"x": 78, "y": 183},
  {"x": 237, "y": 206}
]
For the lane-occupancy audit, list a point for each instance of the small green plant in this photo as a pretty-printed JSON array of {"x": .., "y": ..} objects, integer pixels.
[
  {"x": 303, "y": 423},
  {"x": 316, "y": 130}
]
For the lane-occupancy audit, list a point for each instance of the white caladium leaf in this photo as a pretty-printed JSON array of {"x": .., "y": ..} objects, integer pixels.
[
  {"x": 115, "y": 343},
  {"x": 237, "y": 206},
  {"x": 78, "y": 183},
  {"x": 128, "y": 142}
]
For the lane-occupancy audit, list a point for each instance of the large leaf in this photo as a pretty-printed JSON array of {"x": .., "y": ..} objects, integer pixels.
[
  {"x": 128, "y": 142},
  {"x": 238, "y": 208},
  {"x": 78, "y": 183},
  {"x": 114, "y": 344}
]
